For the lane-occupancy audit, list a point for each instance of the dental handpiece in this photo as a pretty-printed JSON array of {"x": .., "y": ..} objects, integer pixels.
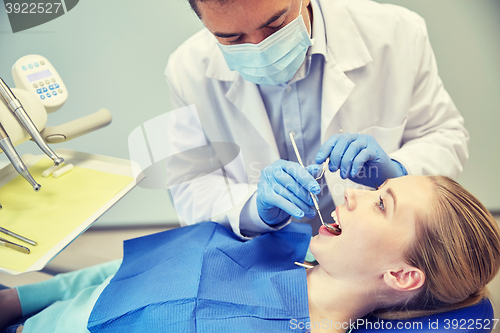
[
  {"x": 17, "y": 109},
  {"x": 8, "y": 149}
]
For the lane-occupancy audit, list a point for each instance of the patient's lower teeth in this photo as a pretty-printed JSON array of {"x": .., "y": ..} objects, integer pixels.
[
  {"x": 335, "y": 231},
  {"x": 337, "y": 228}
]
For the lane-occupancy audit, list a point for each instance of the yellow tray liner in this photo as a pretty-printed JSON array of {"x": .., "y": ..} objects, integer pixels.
[{"x": 50, "y": 215}]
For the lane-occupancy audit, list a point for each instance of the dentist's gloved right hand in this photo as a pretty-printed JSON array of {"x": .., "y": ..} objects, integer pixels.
[{"x": 283, "y": 190}]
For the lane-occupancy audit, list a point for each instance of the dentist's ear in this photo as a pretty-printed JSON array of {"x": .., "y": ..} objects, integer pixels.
[{"x": 404, "y": 279}]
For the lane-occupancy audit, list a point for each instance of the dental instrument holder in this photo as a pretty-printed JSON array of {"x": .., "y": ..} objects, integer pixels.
[
  {"x": 17, "y": 109},
  {"x": 26, "y": 71}
]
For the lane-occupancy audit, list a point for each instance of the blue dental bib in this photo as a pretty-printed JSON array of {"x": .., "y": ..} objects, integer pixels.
[{"x": 202, "y": 278}]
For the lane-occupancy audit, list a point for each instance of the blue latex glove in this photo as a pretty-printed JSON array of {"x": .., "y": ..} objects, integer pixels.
[
  {"x": 283, "y": 190},
  {"x": 359, "y": 158}
]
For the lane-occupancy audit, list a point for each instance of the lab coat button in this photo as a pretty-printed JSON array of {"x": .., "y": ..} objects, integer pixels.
[{"x": 288, "y": 89}]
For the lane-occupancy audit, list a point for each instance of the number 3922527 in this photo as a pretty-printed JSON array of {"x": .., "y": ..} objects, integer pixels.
[{"x": 33, "y": 8}]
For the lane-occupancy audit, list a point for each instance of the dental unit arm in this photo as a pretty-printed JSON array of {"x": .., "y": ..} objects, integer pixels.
[{"x": 23, "y": 113}]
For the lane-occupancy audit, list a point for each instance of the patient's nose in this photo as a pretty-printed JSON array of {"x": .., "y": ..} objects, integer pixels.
[{"x": 350, "y": 199}]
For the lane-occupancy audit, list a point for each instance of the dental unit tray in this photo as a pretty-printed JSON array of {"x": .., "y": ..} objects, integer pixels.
[{"x": 63, "y": 209}]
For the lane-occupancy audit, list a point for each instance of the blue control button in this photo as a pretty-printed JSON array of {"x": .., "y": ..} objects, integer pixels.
[
  {"x": 54, "y": 93},
  {"x": 39, "y": 91},
  {"x": 42, "y": 96},
  {"x": 30, "y": 66},
  {"x": 24, "y": 68},
  {"x": 51, "y": 87},
  {"x": 44, "y": 89},
  {"x": 36, "y": 64},
  {"x": 48, "y": 95},
  {"x": 57, "y": 86}
]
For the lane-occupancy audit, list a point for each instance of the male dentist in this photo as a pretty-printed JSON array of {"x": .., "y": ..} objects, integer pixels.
[{"x": 352, "y": 80}]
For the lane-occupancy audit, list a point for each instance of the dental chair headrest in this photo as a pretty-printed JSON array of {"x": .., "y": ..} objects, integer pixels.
[{"x": 476, "y": 318}]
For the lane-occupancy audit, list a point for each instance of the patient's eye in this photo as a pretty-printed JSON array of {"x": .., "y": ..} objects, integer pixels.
[{"x": 380, "y": 204}]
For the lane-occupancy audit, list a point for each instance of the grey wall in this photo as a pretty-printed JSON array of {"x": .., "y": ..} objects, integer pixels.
[{"x": 112, "y": 54}]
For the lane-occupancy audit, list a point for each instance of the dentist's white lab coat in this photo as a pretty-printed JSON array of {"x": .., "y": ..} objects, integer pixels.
[{"x": 380, "y": 78}]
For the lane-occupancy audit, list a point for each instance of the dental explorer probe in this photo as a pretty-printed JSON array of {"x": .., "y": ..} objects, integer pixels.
[
  {"x": 8, "y": 149},
  {"x": 329, "y": 227},
  {"x": 17, "y": 109}
]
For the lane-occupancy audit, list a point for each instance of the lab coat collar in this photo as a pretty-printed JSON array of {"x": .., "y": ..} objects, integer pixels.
[
  {"x": 217, "y": 66},
  {"x": 318, "y": 31},
  {"x": 253, "y": 109},
  {"x": 346, "y": 51},
  {"x": 345, "y": 44}
]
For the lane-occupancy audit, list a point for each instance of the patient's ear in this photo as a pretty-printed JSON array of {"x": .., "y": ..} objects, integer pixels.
[{"x": 404, "y": 279}]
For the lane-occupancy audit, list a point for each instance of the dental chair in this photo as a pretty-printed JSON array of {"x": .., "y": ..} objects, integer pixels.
[{"x": 473, "y": 319}]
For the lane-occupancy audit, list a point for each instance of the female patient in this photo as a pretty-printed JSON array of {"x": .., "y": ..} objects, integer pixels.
[{"x": 416, "y": 246}]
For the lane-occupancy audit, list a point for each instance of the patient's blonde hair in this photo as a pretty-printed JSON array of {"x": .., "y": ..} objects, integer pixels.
[{"x": 457, "y": 246}]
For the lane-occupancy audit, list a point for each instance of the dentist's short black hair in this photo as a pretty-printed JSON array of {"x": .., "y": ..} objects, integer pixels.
[{"x": 194, "y": 5}]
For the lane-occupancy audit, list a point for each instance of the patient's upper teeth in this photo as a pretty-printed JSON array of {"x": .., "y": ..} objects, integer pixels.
[{"x": 335, "y": 219}]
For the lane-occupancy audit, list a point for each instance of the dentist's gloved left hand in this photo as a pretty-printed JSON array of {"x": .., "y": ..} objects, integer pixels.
[
  {"x": 359, "y": 158},
  {"x": 283, "y": 190}
]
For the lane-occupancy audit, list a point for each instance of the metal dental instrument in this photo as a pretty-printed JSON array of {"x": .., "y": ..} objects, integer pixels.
[
  {"x": 17, "y": 247},
  {"x": 328, "y": 226},
  {"x": 8, "y": 149},
  {"x": 303, "y": 265},
  {"x": 325, "y": 166},
  {"x": 13, "y": 234},
  {"x": 17, "y": 109}
]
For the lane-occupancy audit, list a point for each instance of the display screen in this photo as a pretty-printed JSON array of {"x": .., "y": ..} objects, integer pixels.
[{"x": 39, "y": 75}]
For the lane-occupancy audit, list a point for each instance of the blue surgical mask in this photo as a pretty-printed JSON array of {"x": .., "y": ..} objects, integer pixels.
[{"x": 273, "y": 61}]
